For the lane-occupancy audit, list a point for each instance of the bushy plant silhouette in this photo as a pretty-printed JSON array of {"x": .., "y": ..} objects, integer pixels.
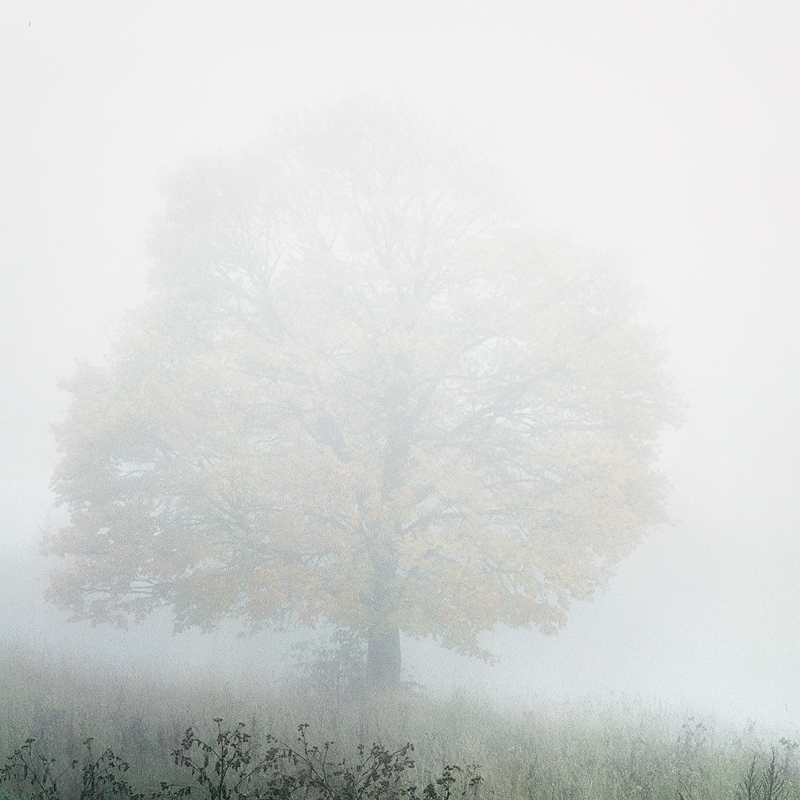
[
  {"x": 37, "y": 777},
  {"x": 231, "y": 767}
]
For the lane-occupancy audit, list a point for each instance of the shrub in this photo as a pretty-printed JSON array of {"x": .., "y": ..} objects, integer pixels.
[{"x": 230, "y": 767}]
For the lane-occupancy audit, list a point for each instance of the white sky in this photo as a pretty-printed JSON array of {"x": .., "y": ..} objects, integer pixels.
[{"x": 670, "y": 129}]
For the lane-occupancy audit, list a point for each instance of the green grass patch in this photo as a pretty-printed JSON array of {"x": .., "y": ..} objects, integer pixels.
[{"x": 90, "y": 733}]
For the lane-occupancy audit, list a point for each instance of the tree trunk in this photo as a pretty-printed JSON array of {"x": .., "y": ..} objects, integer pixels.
[{"x": 383, "y": 659}]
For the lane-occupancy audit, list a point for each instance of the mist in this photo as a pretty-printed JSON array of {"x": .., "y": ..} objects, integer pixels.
[{"x": 667, "y": 132}]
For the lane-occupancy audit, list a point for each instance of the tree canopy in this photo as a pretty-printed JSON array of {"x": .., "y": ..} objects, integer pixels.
[{"x": 366, "y": 391}]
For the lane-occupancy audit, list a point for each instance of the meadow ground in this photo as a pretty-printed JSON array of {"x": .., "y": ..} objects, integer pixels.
[{"x": 589, "y": 751}]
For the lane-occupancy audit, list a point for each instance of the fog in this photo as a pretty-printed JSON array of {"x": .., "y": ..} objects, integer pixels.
[{"x": 668, "y": 130}]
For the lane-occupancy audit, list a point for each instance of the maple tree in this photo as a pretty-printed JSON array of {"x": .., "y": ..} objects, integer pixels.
[{"x": 366, "y": 391}]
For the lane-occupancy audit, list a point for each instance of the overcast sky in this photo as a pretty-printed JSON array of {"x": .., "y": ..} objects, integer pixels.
[{"x": 669, "y": 129}]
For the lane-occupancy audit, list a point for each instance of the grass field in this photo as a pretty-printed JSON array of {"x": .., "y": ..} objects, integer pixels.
[{"x": 563, "y": 752}]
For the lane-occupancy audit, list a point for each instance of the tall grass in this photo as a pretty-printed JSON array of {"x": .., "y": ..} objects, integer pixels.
[{"x": 561, "y": 752}]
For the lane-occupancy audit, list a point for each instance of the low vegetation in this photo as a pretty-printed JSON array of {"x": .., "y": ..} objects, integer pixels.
[{"x": 72, "y": 732}]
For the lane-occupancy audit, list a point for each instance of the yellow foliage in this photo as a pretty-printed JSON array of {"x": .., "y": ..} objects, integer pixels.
[{"x": 366, "y": 391}]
